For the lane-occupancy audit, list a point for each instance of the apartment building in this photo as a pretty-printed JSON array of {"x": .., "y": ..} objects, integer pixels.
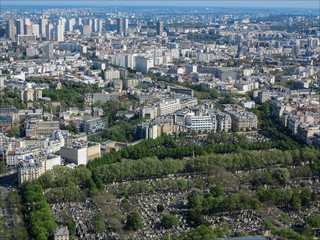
[
  {"x": 143, "y": 64},
  {"x": 242, "y": 121},
  {"x": 111, "y": 73},
  {"x": 201, "y": 123},
  {"x": 29, "y": 171},
  {"x": 80, "y": 152},
  {"x": 168, "y": 106},
  {"x": 224, "y": 122},
  {"x": 76, "y": 153},
  {"x": 50, "y": 161},
  {"x": 18, "y": 154},
  {"x": 149, "y": 111}
]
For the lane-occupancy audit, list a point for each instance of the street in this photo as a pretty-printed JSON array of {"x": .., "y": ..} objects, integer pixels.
[{"x": 7, "y": 185}]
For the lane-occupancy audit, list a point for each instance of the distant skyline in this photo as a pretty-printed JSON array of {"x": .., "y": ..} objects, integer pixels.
[{"x": 166, "y": 3}]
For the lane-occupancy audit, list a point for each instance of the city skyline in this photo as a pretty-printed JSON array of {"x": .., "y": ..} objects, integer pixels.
[{"x": 166, "y": 3}]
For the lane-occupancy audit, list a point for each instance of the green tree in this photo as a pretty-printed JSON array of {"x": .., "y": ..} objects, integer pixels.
[
  {"x": 98, "y": 222},
  {"x": 2, "y": 167},
  {"x": 295, "y": 203},
  {"x": 308, "y": 231},
  {"x": 267, "y": 178},
  {"x": 134, "y": 221},
  {"x": 46, "y": 179},
  {"x": 313, "y": 220},
  {"x": 169, "y": 221},
  {"x": 182, "y": 184},
  {"x": 305, "y": 197},
  {"x": 282, "y": 175},
  {"x": 100, "y": 184},
  {"x": 71, "y": 227},
  {"x": 217, "y": 191},
  {"x": 202, "y": 232},
  {"x": 14, "y": 131},
  {"x": 195, "y": 200},
  {"x": 66, "y": 217}
]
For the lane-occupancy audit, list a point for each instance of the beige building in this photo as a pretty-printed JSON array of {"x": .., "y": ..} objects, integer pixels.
[
  {"x": 306, "y": 132},
  {"x": 163, "y": 128},
  {"x": 93, "y": 150},
  {"x": 29, "y": 171},
  {"x": 39, "y": 127},
  {"x": 243, "y": 120}
]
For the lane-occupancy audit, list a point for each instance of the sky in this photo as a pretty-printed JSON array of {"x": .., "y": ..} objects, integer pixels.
[{"x": 315, "y": 4}]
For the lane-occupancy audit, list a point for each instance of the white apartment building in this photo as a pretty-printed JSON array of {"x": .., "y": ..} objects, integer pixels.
[
  {"x": 153, "y": 131},
  {"x": 36, "y": 30},
  {"x": 73, "y": 47},
  {"x": 49, "y": 32},
  {"x": 51, "y": 161},
  {"x": 200, "y": 123},
  {"x": 130, "y": 61},
  {"x": 143, "y": 64},
  {"x": 168, "y": 106},
  {"x": 16, "y": 155},
  {"x": 224, "y": 122},
  {"x": 150, "y": 111},
  {"x": 77, "y": 153},
  {"x": 111, "y": 74},
  {"x": 80, "y": 152},
  {"x": 246, "y": 86},
  {"x": 59, "y": 33}
]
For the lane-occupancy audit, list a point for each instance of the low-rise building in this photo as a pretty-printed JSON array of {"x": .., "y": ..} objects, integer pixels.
[
  {"x": 93, "y": 124},
  {"x": 91, "y": 98},
  {"x": 316, "y": 140},
  {"x": 293, "y": 122},
  {"x": 306, "y": 132}
]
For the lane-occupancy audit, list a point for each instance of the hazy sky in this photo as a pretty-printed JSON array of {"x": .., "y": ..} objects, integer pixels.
[{"x": 188, "y": 3}]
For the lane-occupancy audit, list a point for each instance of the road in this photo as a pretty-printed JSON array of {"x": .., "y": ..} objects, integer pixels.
[{"x": 7, "y": 185}]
